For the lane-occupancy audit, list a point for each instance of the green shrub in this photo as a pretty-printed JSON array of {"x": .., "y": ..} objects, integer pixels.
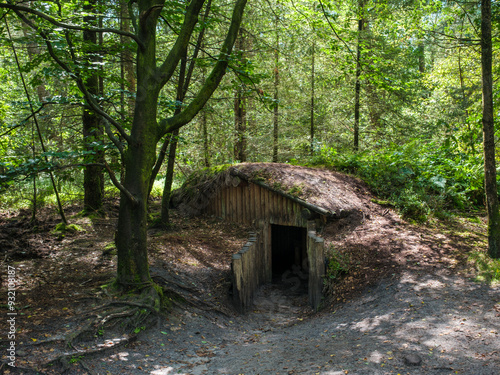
[
  {"x": 488, "y": 269},
  {"x": 419, "y": 179},
  {"x": 338, "y": 265}
]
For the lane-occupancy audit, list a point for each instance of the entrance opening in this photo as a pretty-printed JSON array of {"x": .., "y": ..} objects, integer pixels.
[{"x": 289, "y": 251}]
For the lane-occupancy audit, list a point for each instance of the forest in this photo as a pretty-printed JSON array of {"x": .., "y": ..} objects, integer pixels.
[{"x": 119, "y": 102}]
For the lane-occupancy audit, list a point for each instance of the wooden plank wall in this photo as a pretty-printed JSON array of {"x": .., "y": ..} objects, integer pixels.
[
  {"x": 248, "y": 203},
  {"x": 249, "y": 271}
]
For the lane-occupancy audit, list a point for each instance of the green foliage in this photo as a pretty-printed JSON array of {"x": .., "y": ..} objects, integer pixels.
[
  {"x": 70, "y": 228},
  {"x": 339, "y": 263},
  {"x": 418, "y": 178},
  {"x": 296, "y": 191},
  {"x": 75, "y": 359},
  {"x": 488, "y": 269}
]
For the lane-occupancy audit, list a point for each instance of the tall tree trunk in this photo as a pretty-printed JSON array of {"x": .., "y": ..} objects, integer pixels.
[
  {"x": 489, "y": 133},
  {"x": 169, "y": 179},
  {"x": 127, "y": 74},
  {"x": 276, "y": 96},
  {"x": 240, "y": 121},
  {"x": 357, "y": 87},
  {"x": 465, "y": 101},
  {"x": 203, "y": 121},
  {"x": 93, "y": 176},
  {"x": 240, "y": 109},
  {"x": 312, "y": 99},
  {"x": 182, "y": 89},
  {"x": 131, "y": 236},
  {"x": 421, "y": 57},
  {"x": 204, "y": 132}
]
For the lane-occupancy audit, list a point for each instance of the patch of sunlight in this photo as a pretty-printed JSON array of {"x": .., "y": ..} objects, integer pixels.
[{"x": 163, "y": 371}]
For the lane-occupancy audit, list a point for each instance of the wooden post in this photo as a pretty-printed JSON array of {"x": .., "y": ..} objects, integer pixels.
[
  {"x": 316, "y": 257},
  {"x": 237, "y": 269}
]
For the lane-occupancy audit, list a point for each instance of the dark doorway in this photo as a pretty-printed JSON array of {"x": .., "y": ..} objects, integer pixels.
[{"x": 289, "y": 250}]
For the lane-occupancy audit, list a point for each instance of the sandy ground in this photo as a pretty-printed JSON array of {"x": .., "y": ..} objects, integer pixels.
[
  {"x": 407, "y": 306},
  {"x": 412, "y": 324}
]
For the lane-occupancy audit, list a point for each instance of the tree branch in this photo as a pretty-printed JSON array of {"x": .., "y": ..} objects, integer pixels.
[
  {"x": 334, "y": 31},
  {"x": 120, "y": 187},
  {"x": 113, "y": 139},
  {"x": 75, "y": 76},
  {"x": 22, "y": 8},
  {"x": 177, "y": 121},
  {"x": 191, "y": 18}
]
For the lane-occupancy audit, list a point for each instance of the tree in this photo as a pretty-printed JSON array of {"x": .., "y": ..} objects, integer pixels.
[
  {"x": 240, "y": 107},
  {"x": 490, "y": 176},
  {"x": 93, "y": 175},
  {"x": 137, "y": 146}
]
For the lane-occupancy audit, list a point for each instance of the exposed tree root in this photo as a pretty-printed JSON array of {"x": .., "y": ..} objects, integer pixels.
[
  {"x": 64, "y": 361},
  {"x": 179, "y": 291},
  {"x": 130, "y": 314}
]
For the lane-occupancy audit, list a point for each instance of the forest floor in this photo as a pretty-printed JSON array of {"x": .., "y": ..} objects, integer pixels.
[{"x": 408, "y": 304}]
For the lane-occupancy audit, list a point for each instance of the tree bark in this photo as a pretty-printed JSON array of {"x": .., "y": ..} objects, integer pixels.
[
  {"x": 276, "y": 97},
  {"x": 489, "y": 133},
  {"x": 139, "y": 159},
  {"x": 357, "y": 86},
  {"x": 93, "y": 176},
  {"x": 312, "y": 99},
  {"x": 421, "y": 57},
  {"x": 204, "y": 131},
  {"x": 240, "y": 109},
  {"x": 126, "y": 66}
]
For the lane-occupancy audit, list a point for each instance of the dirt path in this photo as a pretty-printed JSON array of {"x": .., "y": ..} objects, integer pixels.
[{"x": 448, "y": 324}]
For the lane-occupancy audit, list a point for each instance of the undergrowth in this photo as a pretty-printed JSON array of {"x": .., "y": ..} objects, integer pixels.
[
  {"x": 488, "y": 269},
  {"x": 419, "y": 180},
  {"x": 338, "y": 265}
]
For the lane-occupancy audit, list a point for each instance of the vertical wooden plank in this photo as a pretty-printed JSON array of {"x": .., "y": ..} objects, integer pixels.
[
  {"x": 258, "y": 204},
  {"x": 223, "y": 203},
  {"x": 297, "y": 214},
  {"x": 252, "y": 203},
  {"x": 219, "y": 203},
  {"x": 246, "y": 196},
  {"x": 237, "y": 205},
  {"x": 263, "y": 199},
  {"x": 231, "y": 203},
  {"x": 271, "y": 205},
  {"x": 228, "y": 203},
  {"x": 243, "y": 205},
  {"x": 267, "y": 213},
  {"x": 281, "y": 211},
  {"x": 315, "y": 255},
  {"x": 236, "y": 266},
  {"x": 268, "y": 252},
  {"x": 227, "y": 200},
  {"x": 289, "y": 211},
  {"x": 246, "y": 275}
]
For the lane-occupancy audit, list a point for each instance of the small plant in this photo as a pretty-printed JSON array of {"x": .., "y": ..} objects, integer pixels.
[
  {"x": 296, "y": 191},
  {"x": 65, "y": 228},
  {"x": 338, "y": 265},
  {"x": 488, "y": 269},
  {"x": 139, "y": 329},
  {"x": 75, "y": 359}
]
